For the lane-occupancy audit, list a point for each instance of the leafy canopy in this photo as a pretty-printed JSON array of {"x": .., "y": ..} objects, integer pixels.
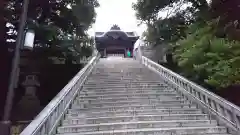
[
  {"x": 203, "y": 38},
  {"x": 59, "y": 25}
]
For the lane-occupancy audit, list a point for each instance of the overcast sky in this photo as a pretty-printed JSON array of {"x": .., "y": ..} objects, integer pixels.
[{"x": 118, "y": 12}]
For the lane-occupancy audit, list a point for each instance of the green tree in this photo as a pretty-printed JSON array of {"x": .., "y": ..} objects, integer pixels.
[
  {"x": 56, "y": 23},
  {"x": 214, "y": 60},
  {"x": 202, "y": 37},
  {"x": 167, "y": 30},
  {"x": 148, "y": 10},
  {"x": 60, "y": 27}
]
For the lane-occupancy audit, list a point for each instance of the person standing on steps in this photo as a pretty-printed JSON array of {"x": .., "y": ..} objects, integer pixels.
[
  {"x": 128, "y": 53},
  {"x": 135, "y": 53}
]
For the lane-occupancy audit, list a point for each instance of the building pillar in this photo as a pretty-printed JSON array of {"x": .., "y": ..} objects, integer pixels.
[
  {"x": 105, "y": 52},
  {"x": 125, "y": 52}
]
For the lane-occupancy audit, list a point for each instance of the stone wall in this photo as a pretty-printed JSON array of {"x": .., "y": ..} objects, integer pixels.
[{"x": 157, "y": 54}]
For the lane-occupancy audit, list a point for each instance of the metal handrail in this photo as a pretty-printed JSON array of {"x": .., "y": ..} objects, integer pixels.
[
  {"x": 49, "y": 118},
  {"x": 223, "y": 110}
]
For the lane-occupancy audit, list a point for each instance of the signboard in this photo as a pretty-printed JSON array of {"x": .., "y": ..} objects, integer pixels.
[
  {"x": 114, "y": 47},
  {"x": 115, "y": 55}
]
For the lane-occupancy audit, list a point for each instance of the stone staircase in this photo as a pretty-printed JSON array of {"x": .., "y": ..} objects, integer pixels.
[{"x": 122, "y": 97}]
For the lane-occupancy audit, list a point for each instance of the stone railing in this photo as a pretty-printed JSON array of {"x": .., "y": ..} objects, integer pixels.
[
  {"x": 224, "y": 111},
  {"x": 85, "y": 60},
  {"x": 49, "y": 118}
]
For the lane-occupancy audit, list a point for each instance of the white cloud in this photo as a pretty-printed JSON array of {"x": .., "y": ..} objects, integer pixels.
[{"x": 118, "y": 12}]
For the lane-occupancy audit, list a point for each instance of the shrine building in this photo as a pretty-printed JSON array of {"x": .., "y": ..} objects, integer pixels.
[{"x": 115, "y": 42}]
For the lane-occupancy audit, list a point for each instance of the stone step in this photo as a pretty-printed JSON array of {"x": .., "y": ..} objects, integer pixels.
[
  {"x": 133, "y": 78},
  {"x": 125, "y": 70},
  {"x": 121, "y": 91},
  {"x": 127, "y": 93},
  {"x": 120, "y": 71},
  {"x": 126, "y": 74},
  {"x": 124, "y": 83},
  {"x": 119, "y": 102},
  {"x": 124, "y": 86},
  {"x": 143, "y": 106},
  {"x": 156, "y": 95},
  {"x": 87, "y": 104},
  {"x": 126, "y": 89},
  {"x": 136, "y": 76},
  {"x": 120, "y": 68},
  {"x": 115, "y": 99},
  {"x": 160, "y": 131},
  {"x": 125, "y": 78},
  {"x": 123, "y": 75},
  {"x": 122, "y": 80},
  {"x": 97, "y": 120},
  {"x": 124, "y": 112},
  {"x": 72, "y": 126},
  {"x": 111, "y": 83},
  {"x": 117, "y": 71},
  {"x": 129, "y": 87}
]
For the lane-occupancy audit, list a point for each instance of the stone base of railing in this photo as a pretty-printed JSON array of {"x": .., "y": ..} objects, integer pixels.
[
  {"x": 15, "y": 128},
  {"x": 5, "y": 127},
  {"x": 18, "y": 126}
]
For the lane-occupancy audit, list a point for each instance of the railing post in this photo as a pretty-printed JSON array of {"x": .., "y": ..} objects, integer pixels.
[{"x": 235, "y": 118}]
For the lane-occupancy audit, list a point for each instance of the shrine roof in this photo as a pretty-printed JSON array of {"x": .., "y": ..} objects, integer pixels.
[{"x": 118, "y": 32}]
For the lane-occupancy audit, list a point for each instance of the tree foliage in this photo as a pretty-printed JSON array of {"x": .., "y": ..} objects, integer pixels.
[
  {"x": 148, "y": 10},
  {"x": 58, "y": 24},
  {"x": 203, "y": 38},
  {"x": 60, "y": 32},
  {"x": 209, "y": 57},
  {"x": 166, "y": 30}
]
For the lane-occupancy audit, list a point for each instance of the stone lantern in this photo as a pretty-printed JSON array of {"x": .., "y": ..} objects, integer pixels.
[
  {"x": 30, "y": 84},
  {"x": 29, "y": 103}
]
